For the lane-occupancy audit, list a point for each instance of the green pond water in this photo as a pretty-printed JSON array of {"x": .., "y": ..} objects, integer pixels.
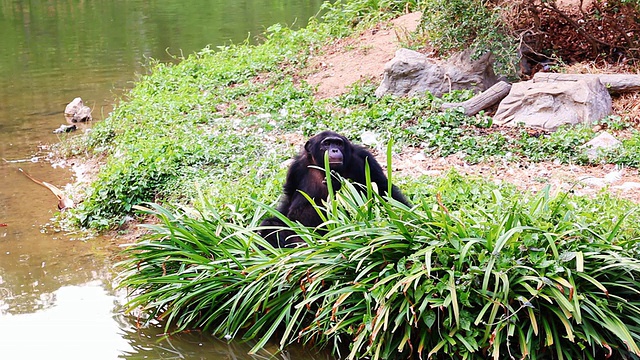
[{"x": 56, "y": 289}]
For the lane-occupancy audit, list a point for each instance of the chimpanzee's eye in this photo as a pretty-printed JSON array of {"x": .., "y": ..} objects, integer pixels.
[{"x": 331, "y": 141}]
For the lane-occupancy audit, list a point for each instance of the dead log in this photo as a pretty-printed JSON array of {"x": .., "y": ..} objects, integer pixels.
[
  {"x": 615, "y": 83},
  {"x": 485, "y": 99},
  {"x": 63, "y": 201}
]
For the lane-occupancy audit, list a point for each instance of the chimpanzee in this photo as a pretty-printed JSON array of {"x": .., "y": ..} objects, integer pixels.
[{"x": 306, "y": 174}]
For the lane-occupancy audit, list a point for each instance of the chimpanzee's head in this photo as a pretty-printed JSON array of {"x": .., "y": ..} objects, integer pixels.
[{"x": 335, "y": 145}]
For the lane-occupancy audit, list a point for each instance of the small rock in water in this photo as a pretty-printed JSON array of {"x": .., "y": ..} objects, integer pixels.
[
  {"x": 65, "y": 129},
  {"x": 76, "y": 111},
  {"x": 73, "y": 107}
]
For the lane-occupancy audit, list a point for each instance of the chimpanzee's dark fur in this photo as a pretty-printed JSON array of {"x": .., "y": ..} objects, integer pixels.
[{"x": 306, "y": 174}]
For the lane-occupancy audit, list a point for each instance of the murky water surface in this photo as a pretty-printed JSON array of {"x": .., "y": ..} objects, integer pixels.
[{"x": 56, "y": 290}]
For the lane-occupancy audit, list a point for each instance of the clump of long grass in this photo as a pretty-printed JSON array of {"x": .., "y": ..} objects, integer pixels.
[{"x": 492, "y": 276}]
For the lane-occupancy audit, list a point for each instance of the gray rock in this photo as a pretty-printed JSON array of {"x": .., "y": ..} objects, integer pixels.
[
  {"x": 412, "y": 73},
  {"x": 602, "y": 141},
  {"x": 65, "y": 129},
  {"x": 550, "y": 105},
  {"x": 84, "y": 114},
  {"x": 76, "y": 111},
  {"x": 73, "y": 107}
]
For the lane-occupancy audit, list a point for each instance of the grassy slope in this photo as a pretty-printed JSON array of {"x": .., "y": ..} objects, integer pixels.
[{"x": 221, "y": 115}]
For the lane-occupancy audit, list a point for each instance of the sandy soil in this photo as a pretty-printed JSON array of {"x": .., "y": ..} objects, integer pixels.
[
  {"x": 349, "y": 60},
  {"x": 363, "y": 57}
]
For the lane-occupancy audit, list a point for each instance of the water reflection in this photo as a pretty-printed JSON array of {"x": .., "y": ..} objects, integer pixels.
[
  {"x": 86, "y": 322},
  {"x": 35, "y": 265},
  {"x": 196, "y": 345},
  {"x": 77, "y": 323}
]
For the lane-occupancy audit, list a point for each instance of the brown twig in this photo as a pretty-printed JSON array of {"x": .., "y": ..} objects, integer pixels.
[
  {"x": 595, "y": 42},
  {"x": 63, "y": 201}
]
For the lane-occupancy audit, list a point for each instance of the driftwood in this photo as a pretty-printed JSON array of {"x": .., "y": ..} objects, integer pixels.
[
  {"x": 63, "y": 201},
  {"x": 485, "y": 99},
  {"x": 615, "y": 83}
]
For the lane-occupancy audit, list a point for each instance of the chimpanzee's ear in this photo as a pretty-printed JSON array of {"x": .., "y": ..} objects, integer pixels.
[{"x": 307, "y": 146}]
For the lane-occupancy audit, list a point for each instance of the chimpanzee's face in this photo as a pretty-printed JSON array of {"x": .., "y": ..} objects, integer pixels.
[{"x": 336, "y": 147}]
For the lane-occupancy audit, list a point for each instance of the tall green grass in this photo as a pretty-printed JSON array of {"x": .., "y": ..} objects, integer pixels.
[{"x": 471, "y": 271}]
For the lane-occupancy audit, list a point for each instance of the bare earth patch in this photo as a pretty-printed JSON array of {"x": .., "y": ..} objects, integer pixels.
[
  {"x": 582, "y": 180},
  {"x": 363, "y": 57},
  {"x": 349, "y": 60}
]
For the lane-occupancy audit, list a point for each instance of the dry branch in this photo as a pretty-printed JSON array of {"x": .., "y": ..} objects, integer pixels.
[
  {"x": 615, "y": 83},
  {"x": 485, "y": 99}
]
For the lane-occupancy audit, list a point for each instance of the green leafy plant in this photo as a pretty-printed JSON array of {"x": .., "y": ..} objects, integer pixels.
[
  {"x": 461, "y": 24},
  {"x": 628, "y": 154},
  {"x": 475, "y": 272},
  {"x": 346, "y": 15}
]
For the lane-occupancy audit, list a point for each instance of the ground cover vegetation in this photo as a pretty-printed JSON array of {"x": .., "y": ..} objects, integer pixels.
[{"x": 473, "y": 270}]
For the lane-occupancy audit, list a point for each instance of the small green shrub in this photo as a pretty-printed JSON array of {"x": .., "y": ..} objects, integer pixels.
[
  {"x": 565, "y": 143},
  {"x": 628, "y": 154},
  {"x": 349, "y": 14},
  {"x": 461, "y": 24}
]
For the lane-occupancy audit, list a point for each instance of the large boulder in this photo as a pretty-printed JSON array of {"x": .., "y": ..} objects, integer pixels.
[
  {"x": 548, "y": 105},
  {"x": 412, "y": 73}
]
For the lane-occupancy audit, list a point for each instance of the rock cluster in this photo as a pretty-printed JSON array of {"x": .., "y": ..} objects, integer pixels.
[
  {"x": 546, "y": 102},
  {"x": 76, "y": 111},
  {"x": 412, "y": 73}
]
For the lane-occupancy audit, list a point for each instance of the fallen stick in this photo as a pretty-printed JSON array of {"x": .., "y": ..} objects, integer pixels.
[
  {"x": 63, "y": 201},
  {"x": 33, "y": 160},
  {"x": 615, "y": 83},
  {"x": 484, "y": 100}
]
